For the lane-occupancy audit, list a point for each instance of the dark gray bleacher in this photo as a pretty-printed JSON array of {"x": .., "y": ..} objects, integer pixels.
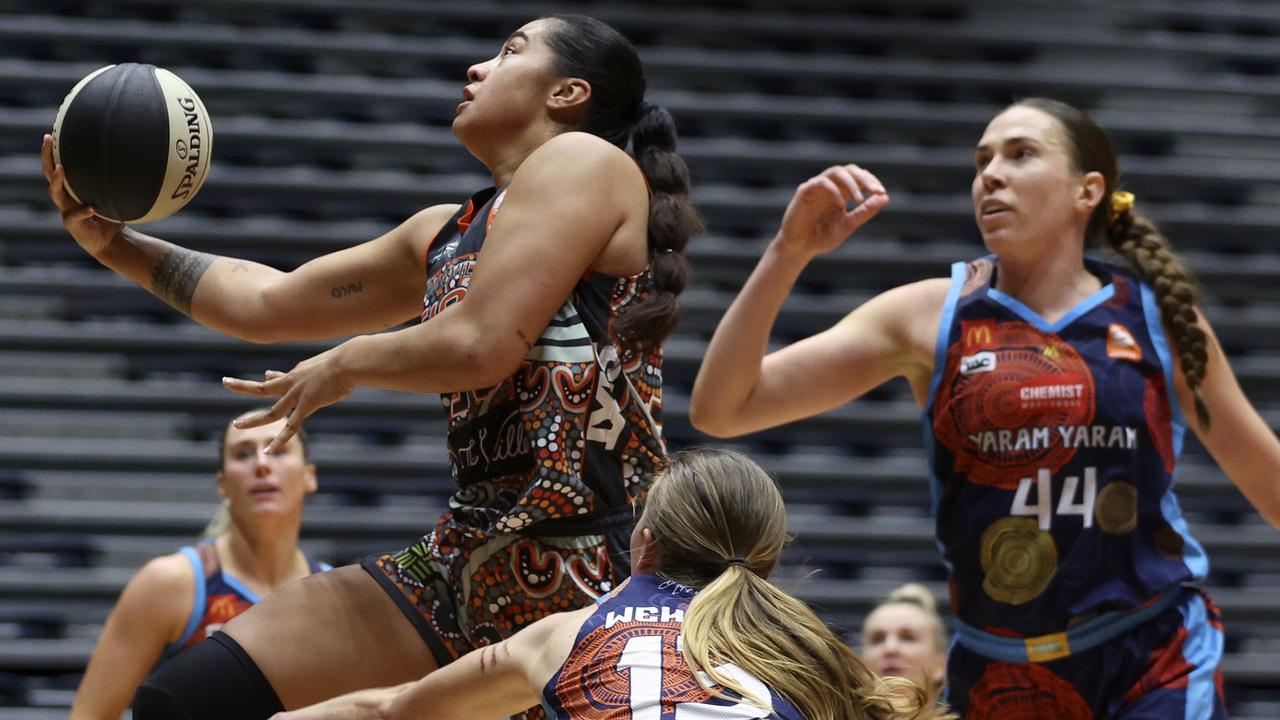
[{"x": 331, "y": 125}]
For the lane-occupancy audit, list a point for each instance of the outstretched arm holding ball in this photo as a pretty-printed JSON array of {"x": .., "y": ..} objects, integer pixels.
[
  {"x": 255, "y": 302},
  {"x": 566, "y": 269}
]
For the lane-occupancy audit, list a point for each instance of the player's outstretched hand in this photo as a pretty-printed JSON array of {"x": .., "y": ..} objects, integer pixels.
[
  {"x": 312, "y": 384},
  {"x": 827, "y": 208}
]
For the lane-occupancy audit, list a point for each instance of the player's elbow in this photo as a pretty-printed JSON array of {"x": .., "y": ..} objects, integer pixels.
[
  {"x": 483, "y": 358},
  {"x": 710, "y": 420}
]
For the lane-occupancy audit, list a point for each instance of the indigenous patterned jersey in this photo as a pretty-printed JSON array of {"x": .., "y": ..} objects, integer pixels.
[
  {"x": 1053, "y": 448},
  {"x": 219, "y": 595},
  {"x": 627, "y": 664},
  {"x": 576, "y": 429}
]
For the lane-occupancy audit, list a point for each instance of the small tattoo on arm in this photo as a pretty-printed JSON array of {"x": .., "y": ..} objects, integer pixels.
[
  {"x": 176, "y": 276},
  {"x": 341, "y": 291},
  {"x": 524, "y": 339},
  {"x": 239, "y": 266}
]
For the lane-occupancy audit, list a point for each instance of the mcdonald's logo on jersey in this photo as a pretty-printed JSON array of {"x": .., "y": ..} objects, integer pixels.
[{"x": 977, "y": 335}]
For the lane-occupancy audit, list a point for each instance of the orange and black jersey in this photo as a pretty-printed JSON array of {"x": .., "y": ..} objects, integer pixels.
[{"x": 626, "y": 664}]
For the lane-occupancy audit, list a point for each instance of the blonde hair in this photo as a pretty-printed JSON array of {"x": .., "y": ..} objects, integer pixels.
[
  {"x": 220, "y": 522},
  {"x": 720, "y": 525},
  {"x": 919, "y": 596}
]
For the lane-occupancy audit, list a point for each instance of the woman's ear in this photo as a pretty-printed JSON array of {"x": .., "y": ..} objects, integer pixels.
[
  {"x": 644, "y": 554},
  {"x": 569, "y": 94},
  {"x": 1093, "y": 189}
]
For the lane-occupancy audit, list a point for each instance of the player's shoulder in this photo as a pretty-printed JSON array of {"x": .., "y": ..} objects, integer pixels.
[
  {"x": 582, "y": 156},
  {"x": 166, "y": 573},
  {"x": 920, "y": 299},
  {"x": 161, "y": 593}
]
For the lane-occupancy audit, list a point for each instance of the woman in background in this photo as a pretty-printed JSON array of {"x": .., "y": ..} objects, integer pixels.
[
  {"x": 175, "y": 601},
  {"x": 904, "y": 637}
]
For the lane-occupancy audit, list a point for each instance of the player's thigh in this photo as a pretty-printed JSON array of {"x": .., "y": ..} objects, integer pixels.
[{"x": 330, "y": 633}]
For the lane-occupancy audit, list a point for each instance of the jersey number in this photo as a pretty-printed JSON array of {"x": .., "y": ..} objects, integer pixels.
[
  {"x": 1067, "y": 502},
  {"x": 646, "y": 686}
]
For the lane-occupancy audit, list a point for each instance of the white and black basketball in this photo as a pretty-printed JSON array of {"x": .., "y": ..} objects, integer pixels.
[{"x": 135, "y": 142}]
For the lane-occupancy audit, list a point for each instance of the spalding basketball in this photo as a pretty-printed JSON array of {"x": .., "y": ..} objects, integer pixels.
[{"x": 135, "y": 142}]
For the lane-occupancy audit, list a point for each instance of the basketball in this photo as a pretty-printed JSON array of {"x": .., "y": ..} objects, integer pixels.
[{"x": 135, "y": 142}]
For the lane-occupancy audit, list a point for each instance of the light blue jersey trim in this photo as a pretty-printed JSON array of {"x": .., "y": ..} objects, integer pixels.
[
  {"x": 1080, "y": 638},
  {"x": 1031, "y": 316},
  {"x": 240, "y": 587},
  {"x": 959, "y": 271},
  {"x": 197, "y": 607},
  {"x": 1193, "y": 554},
  {"x": 1203, "y": 650}
]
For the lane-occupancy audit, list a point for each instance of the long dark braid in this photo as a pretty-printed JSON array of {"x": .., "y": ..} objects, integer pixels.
[
  {"x": 672, "y": 221},
  {"x": 590, "y": 49},
  {"x": 1115, "y": 225}
]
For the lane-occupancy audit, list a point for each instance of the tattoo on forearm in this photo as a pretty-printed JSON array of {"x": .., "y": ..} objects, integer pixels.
[
  {"x": 177, "y": 274},
  {"x": 239, "y": 266},
  {"x": 341, "y": 291},
  {"x": 524, "y": 339}
]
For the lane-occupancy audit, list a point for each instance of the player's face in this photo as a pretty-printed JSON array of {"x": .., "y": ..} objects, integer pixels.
[
  {"x": 1025, "y": 186},
  {"x": 898, "y": 641},
  {"x": 508, "y": 92},
  {"x": 255, "y": 482}
]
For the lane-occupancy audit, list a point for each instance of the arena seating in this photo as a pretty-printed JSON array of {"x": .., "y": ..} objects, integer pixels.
[{"x": 331, "y": 125}]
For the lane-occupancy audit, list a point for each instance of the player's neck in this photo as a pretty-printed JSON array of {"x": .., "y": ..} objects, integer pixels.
[
  {"x": 264, "y": 559},
  {"x": 1050, "y": 285}
]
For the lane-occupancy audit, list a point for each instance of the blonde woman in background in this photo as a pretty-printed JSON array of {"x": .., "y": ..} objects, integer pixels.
[
  {"x": 698, "y": 629},
  {"x": 175, "y": 601},
  {"x": 904, "y": 636}
]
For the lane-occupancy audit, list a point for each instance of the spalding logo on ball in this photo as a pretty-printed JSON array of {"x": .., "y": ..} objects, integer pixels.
[{"x": 135, "y": 142}]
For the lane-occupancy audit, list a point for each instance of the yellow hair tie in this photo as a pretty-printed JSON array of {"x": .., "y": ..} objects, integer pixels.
[{"x": 1121, "y": 203}]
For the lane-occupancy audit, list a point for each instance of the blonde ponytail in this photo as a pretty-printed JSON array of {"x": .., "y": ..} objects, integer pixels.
[
  {"x": 219, "y": 523},
  {"x": 721, "y": 525},
  {"x": 744, "y": 619}
]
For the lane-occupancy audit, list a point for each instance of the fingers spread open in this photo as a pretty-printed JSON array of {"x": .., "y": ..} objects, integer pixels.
[{"x": 276, "y": 383}]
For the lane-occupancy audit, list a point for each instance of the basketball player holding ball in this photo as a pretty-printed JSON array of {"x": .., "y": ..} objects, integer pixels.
[
  {"x": 550, "y": 373},
  {"x": 1056, "y": 391}
]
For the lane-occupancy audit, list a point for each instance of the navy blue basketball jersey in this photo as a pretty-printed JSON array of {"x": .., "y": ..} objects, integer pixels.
[
  {"x": 219, "y": 597},
  {"x": 1053, "y": 448},
  {"x": 576, "y": 430},
  {"x": 626, "y": 664}
]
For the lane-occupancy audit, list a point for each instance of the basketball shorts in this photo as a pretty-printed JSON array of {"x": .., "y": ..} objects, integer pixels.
[
  {"x": 1164, "y": 668},
  {"x": 463, "y": 589}
]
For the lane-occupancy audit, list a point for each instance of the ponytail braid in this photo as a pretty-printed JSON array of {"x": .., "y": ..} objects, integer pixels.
[
  {"x": 1149, "y": 254},
  {"x": 589, "y": 49},
  {"x": 672, "y": 221}
]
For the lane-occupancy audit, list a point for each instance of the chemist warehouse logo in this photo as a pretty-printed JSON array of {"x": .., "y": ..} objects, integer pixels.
[{"x": 1059, "y": 391}]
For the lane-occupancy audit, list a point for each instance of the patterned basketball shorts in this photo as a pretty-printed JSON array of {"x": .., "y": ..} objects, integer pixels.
[
  {"x": 1164, "y": 668},
  {"x": 463, "y": 589}
]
